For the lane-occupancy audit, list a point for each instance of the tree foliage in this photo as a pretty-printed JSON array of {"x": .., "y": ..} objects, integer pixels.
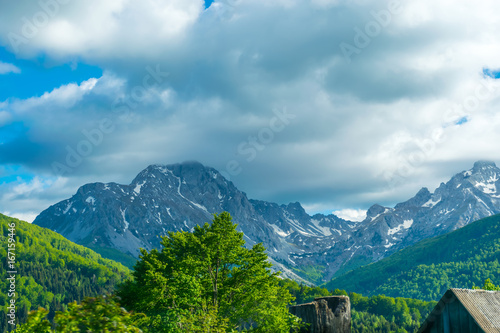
[
  {"x": 51, "y": 271},
  {"x": 488, "y": 285},
  {"x": 94, "y": 314},
  {"x": 207, "y": 281}
]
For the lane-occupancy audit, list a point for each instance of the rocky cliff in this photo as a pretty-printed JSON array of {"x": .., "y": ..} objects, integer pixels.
[{"x": 325, "y": 315}]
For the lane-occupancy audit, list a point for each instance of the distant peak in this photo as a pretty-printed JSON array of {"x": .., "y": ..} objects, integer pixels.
[
  {"x": 423, "y": 191},
  {"x": 297, "y": 206},
  {"x": 176, "y": 168},
  {"x": 183, "y": 164},
  {"x": 484, "y": 164},
  {"x": 375, "y": 210}
]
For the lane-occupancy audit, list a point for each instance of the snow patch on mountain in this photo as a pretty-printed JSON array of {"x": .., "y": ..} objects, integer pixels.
[
  {"x": 70, "y": 203},
  {"x": 405, "y": 225},
  {"x": 325, "y": 231},
  {"x": 488, "y": 188},
  {"x": 431, "y": 203},
  {"x": 126, "y": 224},
  {"x": 137, "y": 188},
  {"x": 278, "y": 230}
]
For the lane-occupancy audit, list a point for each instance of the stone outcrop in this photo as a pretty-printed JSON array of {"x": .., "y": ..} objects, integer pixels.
[{"x": 325, "y": 315}]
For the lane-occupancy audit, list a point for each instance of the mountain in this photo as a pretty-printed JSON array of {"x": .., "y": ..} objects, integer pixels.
[
  {"x": 51, "y": 270},
  {"x": 460, "y": 259},
  {"x": 469, "y": 195},
  {"x": 124, "y": 218},
  {"x": 116, "y": 219}
]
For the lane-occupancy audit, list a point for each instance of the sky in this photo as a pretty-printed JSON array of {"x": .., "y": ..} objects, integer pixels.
[{"x": 336, "y": 104}]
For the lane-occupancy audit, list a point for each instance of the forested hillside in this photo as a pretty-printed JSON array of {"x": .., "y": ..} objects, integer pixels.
[
  {"x": 51, "y": 271},
  {"x": 461, "y": 259},
  {"x": 371, "y": 314}
]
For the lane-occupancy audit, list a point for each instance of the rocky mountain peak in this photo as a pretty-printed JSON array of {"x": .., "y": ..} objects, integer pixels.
[
  {"x": 484, "y": 165},
  {"x": 421, "y": 198},
  {"x": 187, "y": 170},
  {"x": 484, "y": 176},
  {"x": 424, "y": 191},
  {"x": 296, "y": 207},
  {"x": 176, "y": 197},
  {"x": 375, "y": 210}
]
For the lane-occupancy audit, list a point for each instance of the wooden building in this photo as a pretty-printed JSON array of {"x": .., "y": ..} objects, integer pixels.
[{"x": 464, "y": 311}]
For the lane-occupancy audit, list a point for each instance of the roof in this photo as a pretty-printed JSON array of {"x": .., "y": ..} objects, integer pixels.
[{"x": 482, "y": 305}]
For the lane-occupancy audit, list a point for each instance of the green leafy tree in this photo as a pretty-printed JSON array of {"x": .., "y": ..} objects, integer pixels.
[
  {"x": 36, "y": 323},
  {"x": 488, "y": 285},
  {"x": 207, "y": 281},
  {"x": 94, "y": 314}
]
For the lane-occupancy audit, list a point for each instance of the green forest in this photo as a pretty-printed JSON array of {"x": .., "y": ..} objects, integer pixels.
[
  {"x": 52, "y": 271},
  {"x": 208, "y": 280},
  {"x": 370, "y": 314},
  {"x": 463, "y": 258},
  {"x": 200, "y": 281}
]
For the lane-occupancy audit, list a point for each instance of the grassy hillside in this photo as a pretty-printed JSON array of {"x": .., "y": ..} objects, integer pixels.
[
  {"x": 114, "y": 255},
  {"x": 460, "y": 259},
  {"x": 51, "y": 270}
]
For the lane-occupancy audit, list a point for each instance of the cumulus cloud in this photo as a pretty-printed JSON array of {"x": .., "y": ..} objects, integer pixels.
[
  {"x": 186, "y": 83},
  {"x": 94, "y": 28},
  {"x": 25, "y": 198},
  {"x": 6, "y": 68},
  {"x": 24, "y": 216},
  {"x": 351, "y": 214}
]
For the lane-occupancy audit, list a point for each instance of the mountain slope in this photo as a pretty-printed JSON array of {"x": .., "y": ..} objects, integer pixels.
[
  {"x": 469, "y": 195},
  {"x": 116, "y": 219},
  {"x": 51, "y": 270},
  {"x": 174, "y": 198},
  {"x": 459, "y": 259}
]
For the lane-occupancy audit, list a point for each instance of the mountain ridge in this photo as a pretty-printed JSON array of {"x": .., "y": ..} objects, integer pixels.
[
  {"x": 176, "y": 197},
  {"x": 462, "y": 258}
]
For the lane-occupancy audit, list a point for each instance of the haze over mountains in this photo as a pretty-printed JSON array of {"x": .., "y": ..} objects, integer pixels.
[{"x": 115, "y": 219}]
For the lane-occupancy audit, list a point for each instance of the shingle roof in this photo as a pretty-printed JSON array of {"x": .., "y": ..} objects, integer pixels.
[{"x": 483, "y": 306}]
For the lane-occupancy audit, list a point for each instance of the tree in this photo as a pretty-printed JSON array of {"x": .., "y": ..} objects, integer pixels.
[
  {"x": 209, "y": 280},
  {"x": 94, "y": 314},
  {"x": 36, "y": 323},
  {"x": 488, "y": 285}
]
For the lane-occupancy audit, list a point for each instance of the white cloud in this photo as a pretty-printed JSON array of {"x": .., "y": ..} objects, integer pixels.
[
  {"x": 64, "y": 96},
  {"x": 6, "y": 68},
  {"x": 25, "y": 199},
  {"x": 5, "y": 117},
  {"x": 23, "y": 216},
  {"x": 91, "y": 29},
  {"x": 356, "y": 126},
  {"x": 351, "y": 214},
  {"x": 36, "y": 185}
]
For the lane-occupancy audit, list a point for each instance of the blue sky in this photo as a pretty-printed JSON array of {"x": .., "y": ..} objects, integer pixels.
[
  {"x": 37, "y": 76},
  {"x": 336, "y": 104}
]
